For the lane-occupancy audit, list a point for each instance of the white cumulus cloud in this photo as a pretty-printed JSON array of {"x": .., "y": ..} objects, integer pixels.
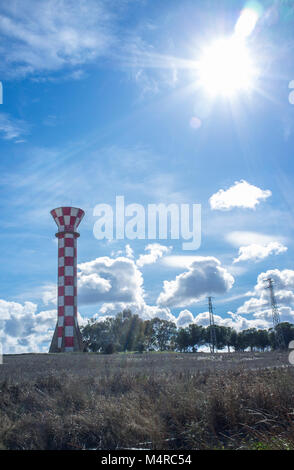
[
  {"x": 185, "y": 318},
  {"x": 110, "y": 280},
  {"x": 241, "y": 194},
  {"x": 204, "y": 277},
  {"x": 156, "y": 251},
  {"x": 129, "y": 252},
  {"x": 145, "y": 311},
  {"x": 234, "y": 320},
  {"x": 23, "y": 328},
  {"x": 243, "y": 238},
  {"x": 257, "y": 252},
  {"x": 259, "y": 304}
]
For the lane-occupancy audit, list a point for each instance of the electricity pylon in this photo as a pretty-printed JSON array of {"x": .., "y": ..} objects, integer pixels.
[
  {"x": 280, "y": 340},
  {"x": 212, "y": 326}
]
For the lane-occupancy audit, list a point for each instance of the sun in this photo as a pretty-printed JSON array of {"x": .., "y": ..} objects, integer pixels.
[{"x": 226, "y": 67}]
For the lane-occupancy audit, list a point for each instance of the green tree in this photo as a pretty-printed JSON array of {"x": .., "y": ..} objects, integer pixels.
[
  {"x": 183, "y": 339},
  {"x": 250, "y": 338},
  {"x": 130, "y": 331},
  {"x": 221, "y": 336},
  {"x": 197, "y": 336},
  {"x": 234, "y": 340},
  {"x": 228, "y": 340},
  {"x": 96, "y": 334},
  {"x": 287, "y": 330},
  {"x": 263, "y": 340},
  {"x": 241, "y": 341},
  {"x": 164, "y": 333},
  {"x": 149, "y": 338}
]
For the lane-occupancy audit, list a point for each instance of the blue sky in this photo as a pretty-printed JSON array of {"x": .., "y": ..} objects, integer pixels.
[{"x": 102, "y": 98}]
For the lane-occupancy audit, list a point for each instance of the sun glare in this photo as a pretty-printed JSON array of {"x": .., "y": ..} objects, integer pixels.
[
  {"x": 246, "y": 22},
  {"x": 226, "y": 67}
]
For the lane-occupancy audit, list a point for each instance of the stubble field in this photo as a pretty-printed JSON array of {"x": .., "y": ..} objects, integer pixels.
[{"x": 147, "y": 401}]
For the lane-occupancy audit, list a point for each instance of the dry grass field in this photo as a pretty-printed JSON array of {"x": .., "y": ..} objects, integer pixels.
[{"x": 147, "y": 401}]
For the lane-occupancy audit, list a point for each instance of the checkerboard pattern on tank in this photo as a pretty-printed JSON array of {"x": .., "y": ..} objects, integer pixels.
[
  {"x": 67, "y": 334},
  {"x": 67, "y": 218}
]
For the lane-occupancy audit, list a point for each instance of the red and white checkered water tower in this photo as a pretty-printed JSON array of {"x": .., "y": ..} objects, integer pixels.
[{"x": 67, "y": 336}]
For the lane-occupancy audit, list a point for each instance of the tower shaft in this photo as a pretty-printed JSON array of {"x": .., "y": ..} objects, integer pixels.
[
  {"x": 67, "y": 290},
  {"x": 67, "y": 336}
]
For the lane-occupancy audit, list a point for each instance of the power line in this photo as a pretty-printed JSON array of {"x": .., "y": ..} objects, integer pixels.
[
  {"x": 212, "y": 326},
  {"x": 280, "y": 340}
]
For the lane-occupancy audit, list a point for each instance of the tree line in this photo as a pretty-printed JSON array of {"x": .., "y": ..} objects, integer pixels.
[{"x": 128, "y": 332}]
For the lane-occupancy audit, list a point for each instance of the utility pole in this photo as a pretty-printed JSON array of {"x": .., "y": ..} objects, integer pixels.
[
  {"x": 212, "y": 326},
  {"x": 275, "y": 314}
]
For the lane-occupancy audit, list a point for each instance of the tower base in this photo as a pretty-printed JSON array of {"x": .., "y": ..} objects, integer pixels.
[{"x": 78, "y": 342}]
